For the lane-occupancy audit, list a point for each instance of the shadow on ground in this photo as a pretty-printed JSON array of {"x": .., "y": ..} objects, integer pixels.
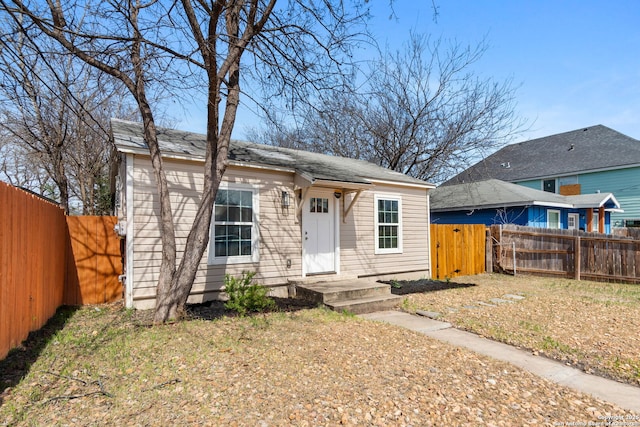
[
  {"x": 19, "y": 360},
  {"x": 405, "y": 287}
]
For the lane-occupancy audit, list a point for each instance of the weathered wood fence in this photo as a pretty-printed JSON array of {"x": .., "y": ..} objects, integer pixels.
[
  {"x": 457, "y": 250},
  {"x": 566, "y": 253},
  {"x": 47, "y": 260}
]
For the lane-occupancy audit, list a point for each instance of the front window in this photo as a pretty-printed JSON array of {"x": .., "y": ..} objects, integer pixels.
[
  {"x": 553, "y": 219},
  {"x": 388, "y": 233},
  {"x": 234, "y": 229}
]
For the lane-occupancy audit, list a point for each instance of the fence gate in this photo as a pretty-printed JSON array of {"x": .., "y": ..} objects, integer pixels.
[{"x": 457, "y": 250}]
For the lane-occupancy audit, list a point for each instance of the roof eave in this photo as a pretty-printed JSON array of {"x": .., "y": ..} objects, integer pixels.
[{"x": 425, "y": 185}]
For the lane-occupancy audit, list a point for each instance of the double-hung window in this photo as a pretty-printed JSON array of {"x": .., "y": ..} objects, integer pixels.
[
  {"x": 388, "y": 224},
  {"x": 234, "y": 231},
  {"x": 553, "y": 219}
]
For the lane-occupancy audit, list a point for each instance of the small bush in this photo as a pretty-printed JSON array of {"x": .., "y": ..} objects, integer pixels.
[{"x": 245, "y": 296}]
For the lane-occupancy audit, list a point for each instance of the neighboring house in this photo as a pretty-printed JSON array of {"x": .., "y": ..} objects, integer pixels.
[
  {"x": 285, "y": 214},
  {"x": 497, "y": 202},
  {"x": 585, "y": 161}
]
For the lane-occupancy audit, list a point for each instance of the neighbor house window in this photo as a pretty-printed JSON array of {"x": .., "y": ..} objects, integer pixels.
[
  {"x": 388, "y": 220},
  {"x": 234, "y": 231},
  {"x": 553, "y": 219},
  {"x": 549, "y": 185}
]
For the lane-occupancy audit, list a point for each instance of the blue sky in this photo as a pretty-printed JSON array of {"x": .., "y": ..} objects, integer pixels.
[{"x": 576, "y": 63}]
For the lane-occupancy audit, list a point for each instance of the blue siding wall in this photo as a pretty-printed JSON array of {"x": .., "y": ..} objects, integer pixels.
[
  {"x": 625, "y": 186},
  {"x": 623, "y": 183},
  {"x": 536, "y": 184},
  {"x": 516, "y": 216},
  {"x": 534, "y": 216}
]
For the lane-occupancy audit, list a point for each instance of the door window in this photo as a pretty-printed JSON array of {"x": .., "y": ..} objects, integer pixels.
[{"x": 318, "y": 205}]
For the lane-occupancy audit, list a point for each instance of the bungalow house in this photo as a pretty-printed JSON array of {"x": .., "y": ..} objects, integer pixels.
[
  {"x": 285, "y": 214},
  {"x": 590, "y": 160},
  {"x": 497, "y": 202}
]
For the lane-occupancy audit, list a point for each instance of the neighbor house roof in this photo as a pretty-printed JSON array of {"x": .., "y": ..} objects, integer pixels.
[
  {"x": 312, "y": 167},
  {"x": 493, "y": 193},
  {"x": 584, "y": 150}
]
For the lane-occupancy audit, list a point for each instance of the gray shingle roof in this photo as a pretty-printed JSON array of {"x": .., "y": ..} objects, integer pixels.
[
  {"x": 587, "y": 149},
  {"x": 493, "y": 193},
  {"x": 128, "y": 138}
]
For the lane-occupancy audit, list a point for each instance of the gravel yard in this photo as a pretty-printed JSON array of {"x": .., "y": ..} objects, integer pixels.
[
  {"x": 591, "y": 325},
  {"x": 303, "y": 367}
]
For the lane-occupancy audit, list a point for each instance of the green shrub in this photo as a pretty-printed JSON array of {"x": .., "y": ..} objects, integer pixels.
[{"x": 246, "y": 296}]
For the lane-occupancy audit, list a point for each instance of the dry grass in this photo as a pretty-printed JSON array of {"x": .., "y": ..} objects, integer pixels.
[
  {"x": 591, "y": 325},
  {"x": 307, "y": 367}
]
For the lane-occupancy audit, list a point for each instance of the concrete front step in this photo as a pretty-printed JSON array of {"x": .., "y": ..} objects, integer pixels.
[
  {"x": 329, "y": 292},
  {"x": 357, "y": 296},
  {"x": 366, "y": 305}
]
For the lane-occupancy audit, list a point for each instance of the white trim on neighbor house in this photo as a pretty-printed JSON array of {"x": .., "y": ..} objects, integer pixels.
[
  {"x": 554, "y": 211},
  {"x": 398, "y": 249},
  {"x": 129, "y": 257},
  {"x": 255, "y": 229}
]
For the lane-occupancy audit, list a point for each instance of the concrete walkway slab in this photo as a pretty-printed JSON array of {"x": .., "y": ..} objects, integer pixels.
[{"x": 624, "y": 395}]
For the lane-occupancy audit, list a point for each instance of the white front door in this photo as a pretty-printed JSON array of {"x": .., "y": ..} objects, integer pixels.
[
  {"x": 318, "y": 233},
  {"x": 573, "y": 221}
]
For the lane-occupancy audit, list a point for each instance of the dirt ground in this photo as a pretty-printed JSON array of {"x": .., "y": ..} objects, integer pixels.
[
  {"x": 591, "y": 325},
  {"x": 298, "y": 366}
]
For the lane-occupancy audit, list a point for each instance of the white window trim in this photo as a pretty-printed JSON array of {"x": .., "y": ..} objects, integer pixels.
[
  {"x": 255, "y": 240},
  {"x": 595, "y": 222},
  {"x": 378, "y": 250},
  {"x": 549, "y": 211}
]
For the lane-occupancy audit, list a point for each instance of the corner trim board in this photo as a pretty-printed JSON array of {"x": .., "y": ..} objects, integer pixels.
[{"x": 128, "y": 294}]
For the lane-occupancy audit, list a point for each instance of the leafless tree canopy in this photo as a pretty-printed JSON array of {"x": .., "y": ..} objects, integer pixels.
[
  {"x": 54, "y": 129},
  {"x": 420, "y": 111},
  {"x": 289, "y": 49}
]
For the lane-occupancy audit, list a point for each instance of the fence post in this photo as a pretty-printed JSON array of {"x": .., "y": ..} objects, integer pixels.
[
  {"x": 577, "y": 257},
  {"x": 514, "y": 258},
  {"x": 488, "y": 251}
]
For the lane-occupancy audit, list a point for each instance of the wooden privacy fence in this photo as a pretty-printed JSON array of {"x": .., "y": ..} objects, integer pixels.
[
  {"x": 32, "y": 264},
  {"x": 95, "y": 261},
  {"x": 567, "y": 253},
  {"x": 47, "y": 260},
  {"x": 457, "y": 250}
]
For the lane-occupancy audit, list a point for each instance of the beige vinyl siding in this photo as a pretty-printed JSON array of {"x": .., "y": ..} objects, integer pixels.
[
  {"x": 279, "y": 238},
  {"x": 357, "y": 234}
]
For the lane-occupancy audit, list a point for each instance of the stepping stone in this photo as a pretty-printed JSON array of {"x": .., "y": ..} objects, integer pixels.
[
  {"x": 429, "y": 314},
  {"x": 486, "y": 304},
  {"x": 470, "y": 307},
  {"x": 515, "y": 297},
  {"x": 452, "y": 310},
  {"x": 500, "y": 300}
]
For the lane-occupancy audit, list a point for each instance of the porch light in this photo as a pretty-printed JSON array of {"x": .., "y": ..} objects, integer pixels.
[
  {"x": 337, "y": 194},
  {"x": 285, "y": 199}
]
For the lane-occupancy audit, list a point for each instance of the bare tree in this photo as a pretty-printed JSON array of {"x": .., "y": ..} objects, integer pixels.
[
  {"x": 421, "y": 111},
  {"x": 55, "y": 112},
  {"x": 298, "y": 47}
]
